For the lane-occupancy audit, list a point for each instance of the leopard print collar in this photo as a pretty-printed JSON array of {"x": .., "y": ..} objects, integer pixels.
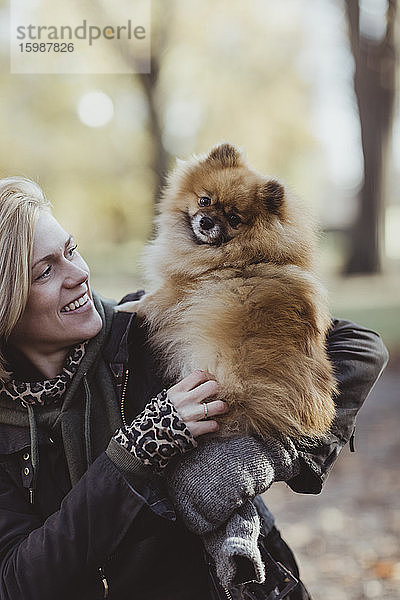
[{"x": 48, "y": 391}]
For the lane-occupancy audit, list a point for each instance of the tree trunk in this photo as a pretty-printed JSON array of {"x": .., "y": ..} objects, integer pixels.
[
  {"x": 163, "y": 15},
  {"x": 374, "y": 84},
  {"x": 160, "y": 157}
]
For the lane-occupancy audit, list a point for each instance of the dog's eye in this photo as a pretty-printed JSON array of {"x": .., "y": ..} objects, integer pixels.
[
  {"x": 234, "y": 220},
  {"x": 204, "y": 201}
]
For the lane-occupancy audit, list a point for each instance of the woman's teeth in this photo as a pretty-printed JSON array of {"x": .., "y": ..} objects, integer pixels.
[{"x": 76, "y": 303}]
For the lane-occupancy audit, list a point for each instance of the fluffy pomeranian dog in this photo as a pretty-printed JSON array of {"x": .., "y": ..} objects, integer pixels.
[{"x": 232, "y": 292}]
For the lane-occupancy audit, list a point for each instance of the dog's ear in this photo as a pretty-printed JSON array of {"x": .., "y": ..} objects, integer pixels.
[
  {"x": 272, "y": 193},
  {"x": 226, "y": 155}
]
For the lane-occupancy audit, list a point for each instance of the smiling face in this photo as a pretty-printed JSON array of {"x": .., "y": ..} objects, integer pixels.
[{"x": 60, "y": 310}]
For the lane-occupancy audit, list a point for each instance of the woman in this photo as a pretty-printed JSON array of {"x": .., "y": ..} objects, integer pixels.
[{"x": 91, "y": 449}]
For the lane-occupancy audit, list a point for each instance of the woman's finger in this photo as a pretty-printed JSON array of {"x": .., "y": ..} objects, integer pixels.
[
  {"x": 201, "y": 392},
  {"x": 198, "y": 394},
  {"x": 201, "y": 427},
  {"x": 190, "y": 382},
  {"x": 204, "y": 410}
]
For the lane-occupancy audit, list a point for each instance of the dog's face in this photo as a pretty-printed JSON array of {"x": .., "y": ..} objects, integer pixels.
[
  {"x": 213, "y": 223},
  {"x": 228, "y": 205},
  {"x": 222, "y": 198},
  {"x": 216, "y": 210}
]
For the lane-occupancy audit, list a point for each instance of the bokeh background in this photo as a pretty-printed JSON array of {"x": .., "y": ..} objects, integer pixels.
[{"x": 309, "y": 90}]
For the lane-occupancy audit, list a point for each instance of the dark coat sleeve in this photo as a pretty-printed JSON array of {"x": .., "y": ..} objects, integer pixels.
[
  {"x": 359, "y": 357},
  {"x": 43, "y": 561}
]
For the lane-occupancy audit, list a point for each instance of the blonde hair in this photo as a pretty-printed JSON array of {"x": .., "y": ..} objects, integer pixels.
[{"x": 20, "y": 201}]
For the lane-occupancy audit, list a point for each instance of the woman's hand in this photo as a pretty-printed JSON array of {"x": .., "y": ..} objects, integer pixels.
[
  {"x": 169, "y": 423},
  {"x": 189, "y": 398}
]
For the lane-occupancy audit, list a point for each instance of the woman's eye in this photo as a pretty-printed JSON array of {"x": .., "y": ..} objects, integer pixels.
[
  {"x": 234, "y": 220},
  {"x": 204, "y": 201},
  {"x": 71, "y": 251},
  {"x": 45, "y": 273}
]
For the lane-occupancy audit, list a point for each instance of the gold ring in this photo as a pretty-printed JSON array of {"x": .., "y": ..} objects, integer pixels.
[{"x": 205, "y": 410}]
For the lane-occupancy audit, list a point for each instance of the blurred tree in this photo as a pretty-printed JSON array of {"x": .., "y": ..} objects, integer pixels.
[
  {"x": 149, "y": 83},
  {"x": 220, "y": 71},
  {"x": 374, "y": 52},
  {"x": 162, "y": 16}
]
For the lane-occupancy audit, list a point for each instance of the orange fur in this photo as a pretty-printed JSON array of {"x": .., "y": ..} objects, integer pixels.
[{"x": 244, "y": 306}]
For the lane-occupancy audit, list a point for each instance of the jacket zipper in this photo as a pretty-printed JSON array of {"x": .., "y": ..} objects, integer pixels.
[
  {"x": 104, "y": 581},
  {"x": 227, "y": 593},
  {"x": 124, "y": 386}
]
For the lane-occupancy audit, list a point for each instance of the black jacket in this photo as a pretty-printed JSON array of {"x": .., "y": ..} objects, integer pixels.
[{"x": 110, "y": 524}]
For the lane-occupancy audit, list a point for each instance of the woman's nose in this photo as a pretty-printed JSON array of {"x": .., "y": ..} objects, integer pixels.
[{"x": 77, "y": 275}]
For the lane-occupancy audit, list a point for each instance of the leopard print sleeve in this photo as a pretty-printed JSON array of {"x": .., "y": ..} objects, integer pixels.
[{"x": 156, "y": 434}]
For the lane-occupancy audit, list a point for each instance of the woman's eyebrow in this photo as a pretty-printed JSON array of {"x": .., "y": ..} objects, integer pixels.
[{"x": 53, "y": 254}]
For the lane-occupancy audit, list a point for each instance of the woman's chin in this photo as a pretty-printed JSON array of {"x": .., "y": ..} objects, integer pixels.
[{"x": 82, "y": 325}]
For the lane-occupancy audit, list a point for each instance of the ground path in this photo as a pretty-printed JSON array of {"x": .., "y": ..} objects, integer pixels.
[{"x": 347, "y": 539}]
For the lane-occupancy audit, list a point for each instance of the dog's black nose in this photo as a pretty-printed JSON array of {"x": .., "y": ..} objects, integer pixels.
[{"x": 206, "y": 223}]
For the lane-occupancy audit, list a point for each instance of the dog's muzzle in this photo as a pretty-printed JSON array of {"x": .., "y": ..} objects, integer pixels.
[
  {"x": 206, "y": 223},
  {"x": 207, "y": 230}
]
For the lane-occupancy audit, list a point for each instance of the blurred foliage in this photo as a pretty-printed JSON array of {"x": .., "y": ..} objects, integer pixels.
[{"x": 226, "y": 70}]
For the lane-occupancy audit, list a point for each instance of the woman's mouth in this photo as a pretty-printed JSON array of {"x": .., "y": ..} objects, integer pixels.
[{"x": 76, "y": 303}]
